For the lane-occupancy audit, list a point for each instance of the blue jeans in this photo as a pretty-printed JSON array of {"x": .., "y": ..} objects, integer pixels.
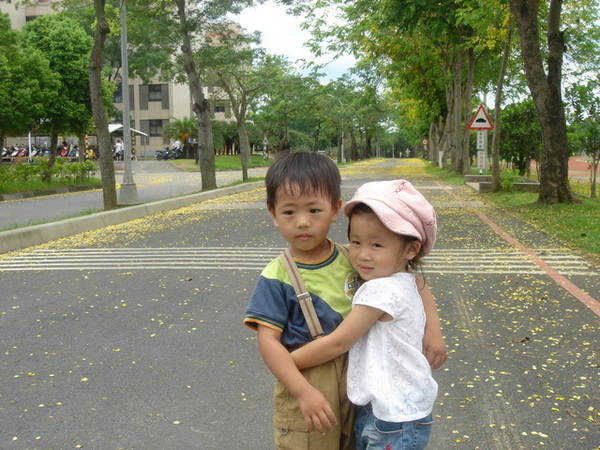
[{"x": 372, "y": 433}]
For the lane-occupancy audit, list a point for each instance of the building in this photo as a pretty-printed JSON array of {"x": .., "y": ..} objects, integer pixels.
[{"x": 152, "y": 105}]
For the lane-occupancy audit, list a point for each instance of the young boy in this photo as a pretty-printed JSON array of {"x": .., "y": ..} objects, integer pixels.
[{"x": 304, "y": 199}]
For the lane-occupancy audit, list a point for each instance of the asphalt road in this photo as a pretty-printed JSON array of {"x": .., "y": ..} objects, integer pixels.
[{"x": 131, "y": 337}]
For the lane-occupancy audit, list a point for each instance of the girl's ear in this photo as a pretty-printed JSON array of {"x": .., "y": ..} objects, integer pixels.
[{"x": 413, "y": 250}]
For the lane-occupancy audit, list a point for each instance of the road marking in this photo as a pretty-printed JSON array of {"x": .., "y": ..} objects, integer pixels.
[
  {"x": 441, "y": 261},
  {"x": 558, "y": 277}
]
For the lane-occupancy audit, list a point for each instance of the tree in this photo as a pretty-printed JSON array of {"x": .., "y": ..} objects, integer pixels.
[
  {"x": 521, "y": 137},
  {"x": 28, "y": 88},
  {"x": 545, "y": 88},
  {"x": 107, "y": 170},
  {"x": 585, "y": 117},
  {"x": 590, "y": 144},
  {"x": 428, "y": 52},
  {"x": 241, "y": 72},
  {"x": 498, "y": 110},
  {"x": 285, "y": 100},
  {"x": 183, "y": 130},
  {"x": 166, "y": 34},
  {"x": 67, "y": 47}
]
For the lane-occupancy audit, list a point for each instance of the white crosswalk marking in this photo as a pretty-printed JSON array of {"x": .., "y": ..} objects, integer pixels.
[{"x": 442, "y": 261}]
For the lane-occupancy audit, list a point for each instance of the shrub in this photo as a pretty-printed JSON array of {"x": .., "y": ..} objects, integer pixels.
[
  {"x": 23, "y": 172},
  {"x": 508, "y": 178}
]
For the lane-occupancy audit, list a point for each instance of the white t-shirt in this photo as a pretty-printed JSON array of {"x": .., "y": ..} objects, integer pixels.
[{"x": 386, "y": 366}]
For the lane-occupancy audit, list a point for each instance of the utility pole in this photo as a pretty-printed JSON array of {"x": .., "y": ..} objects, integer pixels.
[{"x": 128, "y": 195}]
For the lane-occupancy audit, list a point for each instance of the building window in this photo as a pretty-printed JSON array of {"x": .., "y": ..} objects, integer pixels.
[
  {"x": 155, "y": 127},
  {"x": 118, "y": 95},
  {"x": 219, "y": 109},
  {"x": 154, "y": 92}
]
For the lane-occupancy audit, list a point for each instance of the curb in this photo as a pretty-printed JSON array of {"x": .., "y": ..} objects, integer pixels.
[{"x": 39, "y": 234}]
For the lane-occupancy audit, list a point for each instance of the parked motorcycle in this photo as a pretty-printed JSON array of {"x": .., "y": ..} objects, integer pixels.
[
  {"x": 6, "y": 155},
  {"x": 167, "y": 153},
  {"x": 179, "y": 154}
]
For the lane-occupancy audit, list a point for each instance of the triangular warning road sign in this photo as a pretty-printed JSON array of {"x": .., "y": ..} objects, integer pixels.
[{"x": 481, "y": 120}]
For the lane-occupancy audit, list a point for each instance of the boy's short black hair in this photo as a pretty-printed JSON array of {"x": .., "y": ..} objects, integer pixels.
[{"x": 308, "y": 171}]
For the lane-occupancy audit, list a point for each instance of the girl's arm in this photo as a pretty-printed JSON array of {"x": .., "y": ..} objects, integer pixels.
[
  {"x": 434, "y": 346},
  {"x": 357, "y": 323}
]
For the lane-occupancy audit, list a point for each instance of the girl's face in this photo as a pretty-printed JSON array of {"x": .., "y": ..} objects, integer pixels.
[{"x": 375, "y": 251}]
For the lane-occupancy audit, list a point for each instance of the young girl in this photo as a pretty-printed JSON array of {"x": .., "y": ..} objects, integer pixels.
[{"x": 391, "y": 227}]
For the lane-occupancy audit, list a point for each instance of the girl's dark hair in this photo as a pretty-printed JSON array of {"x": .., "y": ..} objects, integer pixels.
[
  {"x": 306, "y": 171},
  {"x": 415, "y": 264}
]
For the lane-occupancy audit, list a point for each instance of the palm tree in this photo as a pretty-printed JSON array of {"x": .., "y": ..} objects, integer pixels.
[{"x": 182, "y": 130}]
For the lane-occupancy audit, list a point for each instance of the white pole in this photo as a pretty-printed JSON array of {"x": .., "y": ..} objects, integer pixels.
[{"x": 128, "y": 195}]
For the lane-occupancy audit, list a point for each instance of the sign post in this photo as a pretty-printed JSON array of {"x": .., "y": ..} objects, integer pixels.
[{"x": 482, "y": 123}]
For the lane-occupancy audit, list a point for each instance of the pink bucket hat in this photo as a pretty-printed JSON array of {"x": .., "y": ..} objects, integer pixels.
[{"x": 401, "y": 208}]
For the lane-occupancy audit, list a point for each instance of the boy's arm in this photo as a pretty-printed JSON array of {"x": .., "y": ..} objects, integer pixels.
[
  {"x": 434, "y": 346},
  {"x": 357, "y": 323},
  {"x": 315, "y": 408}
]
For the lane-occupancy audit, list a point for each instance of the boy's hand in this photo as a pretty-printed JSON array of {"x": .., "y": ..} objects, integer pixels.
[
  {"x": 434, "y": 349},
  {"x": 316, "y": 410}
]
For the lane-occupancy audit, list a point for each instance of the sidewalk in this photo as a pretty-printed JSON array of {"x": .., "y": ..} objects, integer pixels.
[{"x": 160, "y": 186}]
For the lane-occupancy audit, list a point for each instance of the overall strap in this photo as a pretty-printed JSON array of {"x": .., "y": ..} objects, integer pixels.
[{"x": 306, "y": 304}]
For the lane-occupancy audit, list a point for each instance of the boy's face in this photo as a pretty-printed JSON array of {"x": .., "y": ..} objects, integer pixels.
[{"x": 304, "y": 221}]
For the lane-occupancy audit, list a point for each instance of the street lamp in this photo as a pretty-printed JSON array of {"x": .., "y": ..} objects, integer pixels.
[{"x": 128, "y": 195}]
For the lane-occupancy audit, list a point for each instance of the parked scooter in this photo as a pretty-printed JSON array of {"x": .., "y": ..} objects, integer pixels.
[
  {"x": 6, "y": 155},
  {"x": 179, "y": 154},
  {"x": 167, "y": 153}
]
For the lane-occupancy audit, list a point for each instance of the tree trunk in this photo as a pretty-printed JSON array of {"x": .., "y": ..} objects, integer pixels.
[
  {"x": 497, "y": 112},
  {"x": 47, "y": 174},
  {"x": 317, "y": 134},
  {"x": 239, "y": 108},
  {"x": 447, "y": 147},
  {"x": 244, "y": 146},
  {"x": 107, "y": 168},
  {"x": 457, "y": 151},
  {"x": 201, "y": 106},
  {"x": 369, "y": 146},
  {"x": 466, "y": 112},
  {"x": 594, "y": 176},
  {"x": 546, "y": 93},
  {"x": 435, "y": 137}
]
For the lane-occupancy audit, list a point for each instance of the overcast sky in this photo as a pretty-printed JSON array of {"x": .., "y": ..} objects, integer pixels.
[{"x": 281, "y": 35}]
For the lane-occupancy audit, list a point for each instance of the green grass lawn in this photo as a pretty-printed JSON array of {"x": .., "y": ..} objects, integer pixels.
[
  {"x": 222, "y": 162},
  {"x": 578, "y": 225},
  {"x": 11, "y": 187}
]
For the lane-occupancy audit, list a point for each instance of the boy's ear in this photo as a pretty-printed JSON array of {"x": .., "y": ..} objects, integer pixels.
[
  {"x": 335, "y": 211},
  {"x": 272, "y": 212}
]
